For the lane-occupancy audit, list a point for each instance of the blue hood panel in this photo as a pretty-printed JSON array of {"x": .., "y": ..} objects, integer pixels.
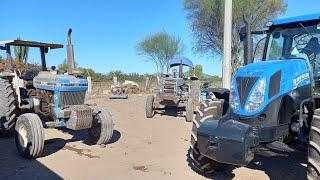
[
  {"x": 54, "y": 82},
  {"x": 294, "y": 74}
]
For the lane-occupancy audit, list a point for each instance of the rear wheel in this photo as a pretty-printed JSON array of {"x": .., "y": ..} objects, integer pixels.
[
  {"x": 313, "y": 167},
  {"x": 102, "y": 127},
  {"x": 209, "y": 110},
  {"x": 8, "y": 109},
  {"x": 149, "y": 106},
  {"x": 29, "y": 135}
]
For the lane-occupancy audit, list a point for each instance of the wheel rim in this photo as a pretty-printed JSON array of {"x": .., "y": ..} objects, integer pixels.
[
  {"x": 96, "y": 127},
  {"x": 23, "y": 136}
]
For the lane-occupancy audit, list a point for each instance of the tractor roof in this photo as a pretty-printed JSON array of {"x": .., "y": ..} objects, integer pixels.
[
  {"x": 29, "y": 44},
  {"x": 181, "y": 60},
  {"x": 296, "y": 19}
]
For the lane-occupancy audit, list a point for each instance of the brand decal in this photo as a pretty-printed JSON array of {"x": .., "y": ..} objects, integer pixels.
[{"x": 299, "y": 79}]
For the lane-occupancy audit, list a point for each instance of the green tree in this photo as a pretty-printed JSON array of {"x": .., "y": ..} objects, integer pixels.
[
  {"x": 198, "y": 72},
  {"x": 160, "y": 48},
  {"x": 21, "y": 53},
  {"x": 206, "y": 19}
]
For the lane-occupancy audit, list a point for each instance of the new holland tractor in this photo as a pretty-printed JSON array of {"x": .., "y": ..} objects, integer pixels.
[
  {"x": 273, "y": 102},
  {"x": 175, "y": 90},
  {"x": 30, "y": 102}
]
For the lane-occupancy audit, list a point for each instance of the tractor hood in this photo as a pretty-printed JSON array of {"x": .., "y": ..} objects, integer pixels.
[
  {"x": 291, "y": 68},
  {"x": 281, "y": 77},
  {"x": 56, "y": 82}
]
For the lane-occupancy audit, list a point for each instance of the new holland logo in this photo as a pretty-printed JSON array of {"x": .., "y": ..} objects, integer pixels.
[{"x": 300, "y": 79}]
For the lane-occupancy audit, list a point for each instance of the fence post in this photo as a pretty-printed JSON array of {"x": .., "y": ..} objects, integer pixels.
[
  {"x": 89, "y": 84},
  {"x": 147, "y": 84},
  {"x": 115, "y": 80}
]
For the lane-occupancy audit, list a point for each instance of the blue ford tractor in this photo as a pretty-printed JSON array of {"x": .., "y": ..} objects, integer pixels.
[
  {"x": 31, "y": 101},
  {"x": 174, "y": 90},
  {"x": 273, "y": 102}
]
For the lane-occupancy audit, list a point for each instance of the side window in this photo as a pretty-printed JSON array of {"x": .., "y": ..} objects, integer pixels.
[
  {"x": 275, "y": 46},
  {"x": 259, "y": 49}
]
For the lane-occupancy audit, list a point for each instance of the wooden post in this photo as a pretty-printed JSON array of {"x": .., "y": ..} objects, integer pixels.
[
  {"x": 43, "y": 59},
  {"x": 9, "y": 58}
]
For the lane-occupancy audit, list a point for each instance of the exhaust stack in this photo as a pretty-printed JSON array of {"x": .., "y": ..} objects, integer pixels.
[{"x": 70, "y": 54}]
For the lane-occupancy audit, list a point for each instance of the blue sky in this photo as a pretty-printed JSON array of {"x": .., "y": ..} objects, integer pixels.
[{"x": 105, "y": 33}]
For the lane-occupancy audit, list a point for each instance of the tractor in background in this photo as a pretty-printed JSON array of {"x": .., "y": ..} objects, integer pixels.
[
  {"x": 30, "y": 102},
  {"x": 176, "y": 90},
  {"x": 274, "y": 101}
]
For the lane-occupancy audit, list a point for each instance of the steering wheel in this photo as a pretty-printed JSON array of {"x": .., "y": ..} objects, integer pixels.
[{"x": 303, "y": 40}]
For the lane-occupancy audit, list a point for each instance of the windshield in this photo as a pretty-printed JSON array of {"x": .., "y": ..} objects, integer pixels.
[{"x": 298, "y": 41}]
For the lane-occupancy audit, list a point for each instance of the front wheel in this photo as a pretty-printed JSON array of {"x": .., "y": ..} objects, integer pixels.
[
  {"x": 29, "y": 135},
  {"x": 149, "y": 106},
  {"x": 209, "y": 110},
  {"x": 102, "y": 127},
  {"x": 313, "y": 167}
]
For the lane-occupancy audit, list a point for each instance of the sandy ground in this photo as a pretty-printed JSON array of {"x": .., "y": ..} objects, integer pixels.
[{"x": 141, "y": 148}]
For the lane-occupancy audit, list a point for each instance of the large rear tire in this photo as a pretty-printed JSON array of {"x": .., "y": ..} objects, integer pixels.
[
  {"x": 8, "y": 109},
  {"x": 149, "y": 106},
  {"x": 29, "y": 135},
  {"x": 102, "y": 126},
  {"x": 209, "y": 110},
  {"x": 313, "y": 167}
]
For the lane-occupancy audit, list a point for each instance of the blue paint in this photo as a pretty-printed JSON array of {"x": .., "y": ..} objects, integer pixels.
[
  {"x": 290, "y": 70},
  {"x": 51, "y": 82},
  {"x": 296, "y": 19},
  {"x": 56, "y": 108},
  {"x": 61, "y": 123},
  {"x": 59, "y": 83},
  {"x": 181, "y": 60}
]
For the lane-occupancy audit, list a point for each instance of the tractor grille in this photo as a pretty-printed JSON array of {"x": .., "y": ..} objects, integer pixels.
[
  {"x": 169, "y": 85},
  {"x": 72, "y": 98},
  {"x": 244, "y": 85}
]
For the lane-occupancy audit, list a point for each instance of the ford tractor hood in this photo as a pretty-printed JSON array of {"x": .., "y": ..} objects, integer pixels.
[
  {"x": 54, "y": 82},
  {"x": 281, "y": 77}
]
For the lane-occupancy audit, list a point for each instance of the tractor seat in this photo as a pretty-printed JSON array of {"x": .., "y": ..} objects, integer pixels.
[{"x": 28, "y": 75}]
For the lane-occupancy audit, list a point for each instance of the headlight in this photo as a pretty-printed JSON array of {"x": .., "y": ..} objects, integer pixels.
[
  {"x": 257, "y": 96},
  {"x": 234, "y": 99}
]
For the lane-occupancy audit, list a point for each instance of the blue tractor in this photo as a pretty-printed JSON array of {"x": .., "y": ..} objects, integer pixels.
[
  {"x": 31, "y": 101},
  {"x": 176, "y": 89},
  {"x": 273, "y": 102}
]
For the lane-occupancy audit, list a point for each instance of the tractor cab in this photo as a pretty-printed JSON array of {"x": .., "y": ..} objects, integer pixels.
[{"x": 293, "y": 38}]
